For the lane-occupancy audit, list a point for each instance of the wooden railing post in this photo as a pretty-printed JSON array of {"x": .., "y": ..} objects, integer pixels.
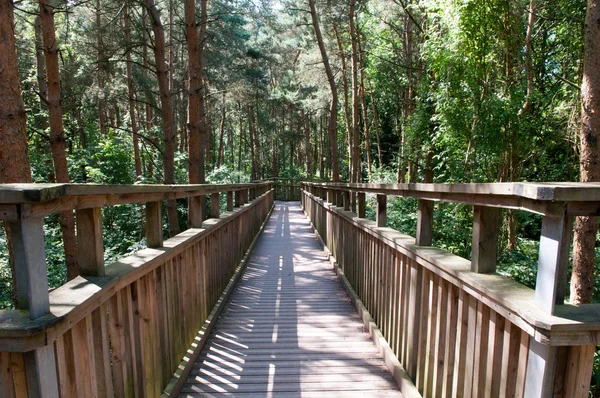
[
  {"x": 331, "y": 196},
  {"x": 195, "y": 216},
  {"x": 90, "y": 248},
  {"x": 362, "y": 205},
  {"x": 381, "y": 210},
  {"x": 229, "y": 200},
  {"x": 154, "y": 237},
  {"x": 353, "y": 201},
  {"x": 485, "y": 239},
  {"x": 238, "y": 199},
  {"x": 346, "y": 195},
  {"x": 246, "y": 194},
  {"x": 339, "y": 198},
  {"x": 32, "y": 289},
  {"x": 424, "y": 223},
  {"x": 215, "y": 205},
  {"x": 542, "y": 360}
]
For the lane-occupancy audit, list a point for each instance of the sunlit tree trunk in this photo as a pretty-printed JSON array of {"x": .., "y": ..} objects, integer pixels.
[
  {"x": 204, "y": 124},
  {"x": 167, "y": 111},
  {"x": 332, "y": 126},
  {"x": 57, "y": 137},
  {"x": 346, "y": 100},
  {"x": 356, "y": 169},
  {"x": 582, "y": 280}
]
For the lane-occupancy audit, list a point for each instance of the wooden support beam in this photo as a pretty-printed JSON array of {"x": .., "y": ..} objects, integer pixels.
[
  {"x": 195, "y": 208},
  {"x": 40, "y": 370},
  {"x": 362, "y": 205},
  {"x": 553, "y": 260},
  {"x": 215, "y": 205},
  {"x": 485, "y": 239},
  {"x": 32, "y": 289},
  {"x": 541, "y": 370},
  {"x": 381, "y": 210},
  {"x": 229, "y": 200},
  {"x": 154, "y": 236},
  {"x": 30, "y": 266},
  {"x": 90, "y": 248},
  {"x": 424, "y": 223},
  {"x": 339, "y": 198},
  {"x": 542, "y": 360},
  {"x": 330, "y": 196},
  {"x": 346, "y": 195}
]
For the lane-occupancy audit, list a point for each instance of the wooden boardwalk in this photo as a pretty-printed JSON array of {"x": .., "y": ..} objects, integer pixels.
[{"x": 289, "y": 328}]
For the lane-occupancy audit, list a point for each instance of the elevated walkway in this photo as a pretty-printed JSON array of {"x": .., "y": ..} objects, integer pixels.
[{"x": 289, "y": 328}]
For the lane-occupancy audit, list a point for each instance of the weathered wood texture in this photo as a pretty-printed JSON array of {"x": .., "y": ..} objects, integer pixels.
[
  {"x": 124, "y": 334},
  {"x": 289, "y": 328},
  {"x": 455, "y": 331}
]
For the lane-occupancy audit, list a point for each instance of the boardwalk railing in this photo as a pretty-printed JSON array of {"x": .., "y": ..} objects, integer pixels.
[
  {"x": 457, "y": 328},
  {"x": 119, "y": 330},
  {"x": 287, "y": 189}
]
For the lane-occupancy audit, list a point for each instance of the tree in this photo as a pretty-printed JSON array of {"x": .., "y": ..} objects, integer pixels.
[
  {"x": 332, "y": 126},
  {"x": 168, "y": 123},
  {"x": 582, "y": 281},
  {"x": 194, "y": 90},
  {"x": 57, "y": 134}
]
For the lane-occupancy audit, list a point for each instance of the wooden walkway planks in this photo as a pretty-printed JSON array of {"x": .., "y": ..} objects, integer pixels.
[{"x": 289, "y": 328}]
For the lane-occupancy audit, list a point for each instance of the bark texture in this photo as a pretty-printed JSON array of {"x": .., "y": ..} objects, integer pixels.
[
  {"x": 582, "y": 281},
  {"x": 332, "y": 127},
  {"x": 168, "y": 122},
  {"x": 57, "y": 136}
]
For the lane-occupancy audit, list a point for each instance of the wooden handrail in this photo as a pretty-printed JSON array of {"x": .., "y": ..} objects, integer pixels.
[
  {"x": 91, "y": 324},
  {"x": 565, "y": 198},
  {"x": 556, "y": 337}
]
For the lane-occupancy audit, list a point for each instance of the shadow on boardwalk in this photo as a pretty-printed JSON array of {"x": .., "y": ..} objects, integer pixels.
[{"x": 289, "y": 328}]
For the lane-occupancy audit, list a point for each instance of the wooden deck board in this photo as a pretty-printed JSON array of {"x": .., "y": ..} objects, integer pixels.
[{"x": 289, "y": 329}]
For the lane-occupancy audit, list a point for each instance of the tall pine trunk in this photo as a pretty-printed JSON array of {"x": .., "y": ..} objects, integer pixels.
[
  {"x": 346, "y": 100},
  {"x": 57, "y": 136},
  {"x": 332, "y": 126},
  {"x": 130, "y": 92},
  {"x": 582, "y": 280},
  {"x": 168, "y": 124},
  {"x": 356, "y": 175}
]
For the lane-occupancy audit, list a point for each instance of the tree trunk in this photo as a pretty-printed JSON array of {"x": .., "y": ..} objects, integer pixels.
[
  {"x": 221, "y": 151},
  {"x": 363, "y": 100},
  {"x": 346, "y": 100},
  {"x": 57, "y": 138},
  {"x": 376, "y": 124},
  {"x": 252, "y": 130},
  {"x": 356, "y": 169},
  {"x": 101, "y": 74},
  {"x": 332, "y": 126},
  {"x": 167, "y": 112},
  {"x": 130, "y": 92},
  {"x": 41, "y": 70},
  {"x": 306, "y": 119},
  {"x": 204, "y": 126},
  {"x": 14, "y": 153},
  {"x": 582, "y": 280},
  {"x": 528, "y": 55}
]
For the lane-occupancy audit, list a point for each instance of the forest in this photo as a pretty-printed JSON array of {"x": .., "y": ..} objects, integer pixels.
[{"x": 223, "y": 91}]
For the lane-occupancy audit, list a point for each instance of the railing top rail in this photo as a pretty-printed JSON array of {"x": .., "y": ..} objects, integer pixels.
[
  {"x": 560, "y": 198},
  {"x": 31, "y": 193},
  {"x": 37, "y": 200}
]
